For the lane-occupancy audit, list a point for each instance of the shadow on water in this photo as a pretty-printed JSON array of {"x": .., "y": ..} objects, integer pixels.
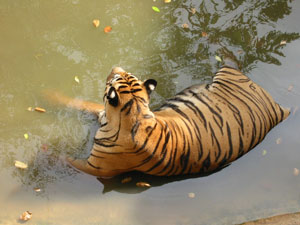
[
  {"x": 117, "y": 183},
  {"x": 243, "y": 31}
]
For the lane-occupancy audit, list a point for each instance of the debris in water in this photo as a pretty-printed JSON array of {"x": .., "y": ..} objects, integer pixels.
[
  {"x": 204, "y": 34},
  {"x": 290, "y": 88},
  {"x": 44, "y": 147},
  {"x": 283, "y": 43},
  {"x": 107, "y": 29},
  {"x": 143, "y": 184},
  {"x": 155, "y": 9},
  {"x": 39, "y": 109},
  {"x": 185, "y": 26},
  {"x": 193, "y": 10},
  {"x": 264, "y": 152},
  {"x": 76, "y": 78},
  {"x": 30, "y": 109},
  {"x": 26, "y": 136},
  {"x": 20, "y": 165},
  {"x": 126, "y": 180},
  {"x": 278, "y": 141},
  {"x": 192, "y": 195},
  {"x": 218, "y": 58},
  {"x": 296, "y": 171},
  {"x": 26, "y": 216},
  {"x": 167, "y": 1},
  {"x": 96, "y": 23},
  {"x": 37, "y": 189}
]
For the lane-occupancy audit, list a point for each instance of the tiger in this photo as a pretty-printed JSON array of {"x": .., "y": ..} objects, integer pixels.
[{"x": 201, "y": 129}]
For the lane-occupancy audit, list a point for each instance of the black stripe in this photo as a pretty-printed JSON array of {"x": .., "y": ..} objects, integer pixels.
[
  {"x": 96, "y": 156},
  {"x": 136, "y": 90},
  {"x": 184, "y": 159},
  {"x": 95, "y": 167},
  {"x": 125, "y": 92},
  {"x": 127, "y": 105},
  {"x": 229, "y": 141},
  {"x": 215, "y": 139},
  {"x": 208, "y": 106},
  {"x": 134, "y": 130},
  {"x": 192, "y": 107}
]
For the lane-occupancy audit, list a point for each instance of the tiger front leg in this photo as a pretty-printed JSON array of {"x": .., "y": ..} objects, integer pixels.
[{"x": 56, "y": 97}]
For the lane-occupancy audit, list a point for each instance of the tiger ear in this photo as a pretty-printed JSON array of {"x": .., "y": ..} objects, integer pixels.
[
  {"x": 112, "y": 97},
  {"x": 150, "y": 85}
]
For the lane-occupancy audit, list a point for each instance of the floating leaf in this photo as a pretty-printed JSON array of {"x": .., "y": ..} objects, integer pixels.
[
  {"x": 167, "y": 1},
  {"x": 290, "y": 88},
  {"x": 38, "y": 109},
  {"x": 155, "y": 9},
  {"x": 20, "y": 165},
  {"x": 204, "y": 34},
  {"x": 142, "y": 184},
  {"x": 107, "y": 29},
  {"x": 264, "y": 152},
  {"x": 25, "y": 216},
  {"x": 283, "y": 42},
  {"x": 192, "y": 195},
  {"x": 218, "y": 58},
  {"x": 296, "y": 171},
  {"x": 44, "y": 147},
  {"x": 185, "y": 26},
  {"x": 76, "y": 78},
  {"x": 30, "y": 109},
  {"x": 193, "y": 10},
  {"x": 126, "y": 180},
  {"x": 278, "y": 141},
  {"x": 26, "y": 136},
  {"x": 96, "y": 23},
  {"x": 37, "y": 189}
]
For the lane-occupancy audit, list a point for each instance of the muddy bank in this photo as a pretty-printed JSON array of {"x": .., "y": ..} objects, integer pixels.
[{"x": 285, "y": 219}]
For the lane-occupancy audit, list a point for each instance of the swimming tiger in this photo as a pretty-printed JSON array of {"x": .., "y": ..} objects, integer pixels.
[{"x": 201, "y": 129}]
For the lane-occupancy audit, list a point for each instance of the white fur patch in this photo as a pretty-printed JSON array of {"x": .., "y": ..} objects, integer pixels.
[
  {"x": 112, "y": 94},
  {"x": 151, "y": 87}
]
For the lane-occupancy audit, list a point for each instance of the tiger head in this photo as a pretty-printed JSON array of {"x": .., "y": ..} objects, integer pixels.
[{"x": 124, "y": 93}]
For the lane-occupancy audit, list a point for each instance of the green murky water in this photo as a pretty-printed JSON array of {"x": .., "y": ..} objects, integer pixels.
[{"x": 45, "y": 44}]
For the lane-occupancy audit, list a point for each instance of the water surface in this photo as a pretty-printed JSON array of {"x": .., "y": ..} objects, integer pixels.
[{"x": 45, "y": 44}]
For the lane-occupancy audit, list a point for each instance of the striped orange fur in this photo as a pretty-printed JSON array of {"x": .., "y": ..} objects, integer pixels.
[{"x": 199, "y": 130}]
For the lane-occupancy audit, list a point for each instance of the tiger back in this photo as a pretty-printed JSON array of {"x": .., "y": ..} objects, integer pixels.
[{"x": 199, "y": 130}]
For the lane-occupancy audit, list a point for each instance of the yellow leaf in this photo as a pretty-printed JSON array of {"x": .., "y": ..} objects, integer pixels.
[
  {"x": 39, "y": 109},
  {"x": 264, "y": 152},
  {"x": 185, "y": 26},
  {"x": 20, "y": 165},
  {"x": 143, "y": 184},
  {"x": 126, "y": 180},
  {"x": 218, "y": 58},
  {"x": 96, "y": 23},
  {"x": 167, "y": 1},
  {"x": 283, "y": 43},
  {"x": 25, "y": 216},
  {"x": 26, "y": 136},
  {"x": 77, "y": 79}
]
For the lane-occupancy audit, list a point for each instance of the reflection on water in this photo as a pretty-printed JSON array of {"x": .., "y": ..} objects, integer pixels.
[{"x": 44, "y": 45}]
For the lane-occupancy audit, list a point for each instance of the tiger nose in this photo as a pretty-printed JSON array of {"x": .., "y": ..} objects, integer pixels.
[{"x": 116, "y": 70}]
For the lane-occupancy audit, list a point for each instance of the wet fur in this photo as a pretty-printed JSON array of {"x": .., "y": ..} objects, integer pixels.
[{"x": 201, "y": 129}]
